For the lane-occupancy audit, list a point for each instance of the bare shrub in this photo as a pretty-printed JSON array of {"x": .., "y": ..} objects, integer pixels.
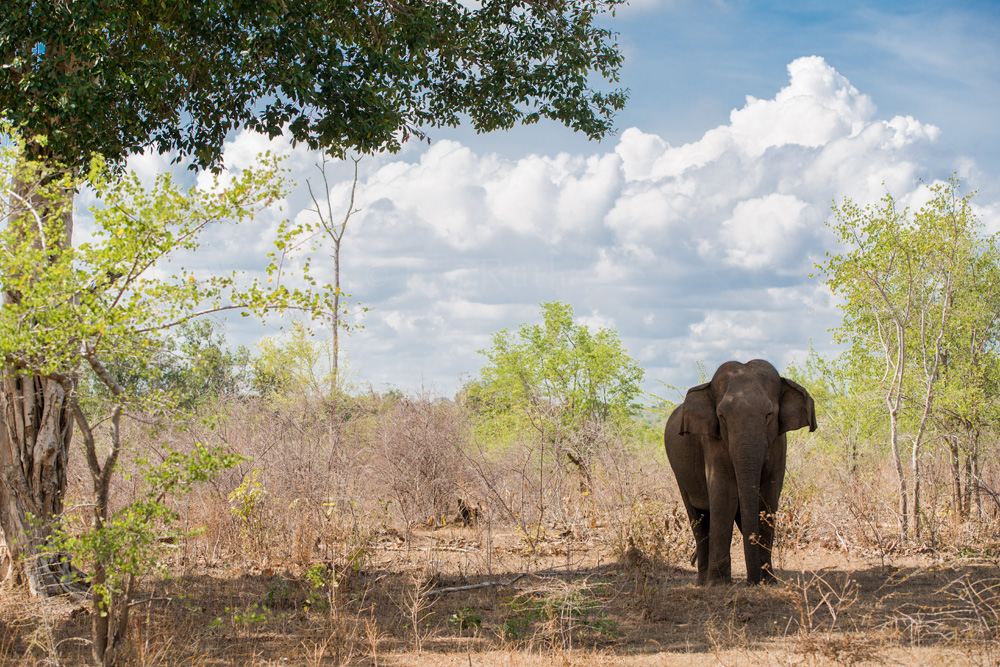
[
  {"x": 524, "y": 484},
  {"x": 821, "y": 599},
  {"x": 969, "y": 620},
  {"x": 320, "y": 481},
  {"x": 640, "y": 503},
  {"x": 866, "y": 517},
  {"x": 350, "y": 486},
  {"x": 417, "y": 459}
]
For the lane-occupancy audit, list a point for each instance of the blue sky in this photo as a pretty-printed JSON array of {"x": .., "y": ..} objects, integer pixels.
[
  {"x": 693, "y": 230},
  {"x": 690, "y": 62}
]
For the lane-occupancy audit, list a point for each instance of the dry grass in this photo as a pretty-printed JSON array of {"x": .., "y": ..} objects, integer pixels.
[{"x": 350, "y": 547}]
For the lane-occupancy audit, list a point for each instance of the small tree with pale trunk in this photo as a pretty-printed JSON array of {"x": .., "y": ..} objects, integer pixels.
[{"x": 70, "y": 310}]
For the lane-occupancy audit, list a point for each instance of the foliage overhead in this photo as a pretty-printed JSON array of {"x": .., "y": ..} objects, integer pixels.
[{"x": 115, "y": 77}]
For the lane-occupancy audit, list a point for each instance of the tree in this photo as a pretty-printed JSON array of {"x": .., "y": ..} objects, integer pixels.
[
  {"x": 194, "y": 366},
  {"x": 117, "y": 77},
  {"x": 288, "y": 368},
  {"x": 114, "y": 78},
  {"x": 967, "y": 407},
  {"x": 198, "y": 365},
  {"x": 335, "y": 232},
  {"x": 969, "y": 379},
  {"x": 561, "y": 380},
  {"x": 903, "y": 278},
  {"x": 845, "y": 406},
  {"x": 78, "y": 306},
  {"x": 115, "y": 296}
]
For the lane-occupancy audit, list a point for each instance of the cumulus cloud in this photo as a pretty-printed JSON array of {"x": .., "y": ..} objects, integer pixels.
[
  {"x": 697, "y": 252},
  {"x": 758, "y": 233}
]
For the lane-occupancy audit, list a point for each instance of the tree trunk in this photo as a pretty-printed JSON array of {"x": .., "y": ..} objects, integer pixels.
[
  {"x": 336, "y": 234},
  {"x": 34, "y": 448},
  {"x": 904, "y": 526},
  {"x": 967, "y": 488},
  {"x": 894, "y": 401},
  {"x": 915, "y": 471},
  {"x": 972, "y": 476},
  {"x": 335, "y": 365},
  {"x": 36, "y": 424},
  {"x": 854, "y": 455},
  {"x": 955, "y": 459},
  {"x": 586, "y": 478}
]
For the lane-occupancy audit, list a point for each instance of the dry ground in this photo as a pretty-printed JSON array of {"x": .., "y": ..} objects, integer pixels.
[{"x": 568, "y": 602}]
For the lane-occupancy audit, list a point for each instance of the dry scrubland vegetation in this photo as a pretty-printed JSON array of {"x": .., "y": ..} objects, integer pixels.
[
  {"x": 340, "y": 539},
  {"x": 398, "y": 531},
  {"x": 532, "y": 520}
]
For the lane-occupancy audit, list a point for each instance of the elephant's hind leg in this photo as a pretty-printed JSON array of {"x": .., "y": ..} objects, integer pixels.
[{"x": 700, "y": 525}]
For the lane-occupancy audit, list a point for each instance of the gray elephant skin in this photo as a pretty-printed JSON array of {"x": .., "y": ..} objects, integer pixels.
[{"x": 726, "y": 444}]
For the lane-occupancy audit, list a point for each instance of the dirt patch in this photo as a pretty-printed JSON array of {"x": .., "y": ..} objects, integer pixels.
[{"x": 451, "y": 597}]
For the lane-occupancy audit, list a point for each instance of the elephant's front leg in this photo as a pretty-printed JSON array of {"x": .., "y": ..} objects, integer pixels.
[
  {"x": 723, "y": 505},
  {"x": 772, "y": 478},
  {"x": 767, "y": 519}
]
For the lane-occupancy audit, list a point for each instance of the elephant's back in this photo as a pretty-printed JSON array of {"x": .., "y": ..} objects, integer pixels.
[
  {"x": 687, "y": 459},
  {"x": 674, "y": 443},
  {"x": 673, "y": 426}
]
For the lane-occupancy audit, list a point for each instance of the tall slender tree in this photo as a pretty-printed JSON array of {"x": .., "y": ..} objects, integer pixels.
[
  {"x": 905, "y": 278},
  {"x": 118, "y": 77},
  {"x": 333, "y": 230}
]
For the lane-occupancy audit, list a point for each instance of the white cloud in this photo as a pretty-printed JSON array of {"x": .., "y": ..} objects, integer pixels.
[
  {"x": 761, "y": 231},
  {"x": 595, "y": 321},
  {"x": 639, "y": 152},
  {"x": 699, "y": 252},
  {"x": 818, "y": 106}
]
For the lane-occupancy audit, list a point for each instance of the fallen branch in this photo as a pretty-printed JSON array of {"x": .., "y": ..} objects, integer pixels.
[
  {"x": 464, "y": 550},
  {"x": 472, "y": 587},
  {"x": 510, "y": 584}
]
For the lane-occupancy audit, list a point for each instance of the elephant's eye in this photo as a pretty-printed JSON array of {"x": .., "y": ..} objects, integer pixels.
[{"x": 770, "y": 416}]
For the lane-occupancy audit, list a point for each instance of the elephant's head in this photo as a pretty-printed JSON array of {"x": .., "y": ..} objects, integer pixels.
[
  {"x": 748, "y": 407},
  {"x": 747, "y": 399}
]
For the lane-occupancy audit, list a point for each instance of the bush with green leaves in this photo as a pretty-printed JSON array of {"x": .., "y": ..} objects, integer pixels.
[
  {"x": 195, "y": 366},
  {"x": 70, "y": 312},
  {"x": 125, "y": 548},
  {"x": 560, "y": 380},
  {"x": 290, "y": 365}
]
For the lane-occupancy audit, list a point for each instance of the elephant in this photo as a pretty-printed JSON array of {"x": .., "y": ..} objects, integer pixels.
[{"x": 727, "y": 447}]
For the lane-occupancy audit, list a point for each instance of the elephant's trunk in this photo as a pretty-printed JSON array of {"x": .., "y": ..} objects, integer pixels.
[{"x": 748, "y": 470}]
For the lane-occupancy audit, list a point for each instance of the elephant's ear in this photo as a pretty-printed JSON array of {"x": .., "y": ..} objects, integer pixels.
[
  {"x": 797, "y": 409},
  {"x": 698, "y": 417}
]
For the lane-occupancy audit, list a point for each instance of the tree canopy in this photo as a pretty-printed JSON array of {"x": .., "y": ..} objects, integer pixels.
[
  {"x": 559, "y": 376},
  {"x": 117, "y": 76},
  {"x": 561, "y": 381},
  {"x": 116, "y": 295}
]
